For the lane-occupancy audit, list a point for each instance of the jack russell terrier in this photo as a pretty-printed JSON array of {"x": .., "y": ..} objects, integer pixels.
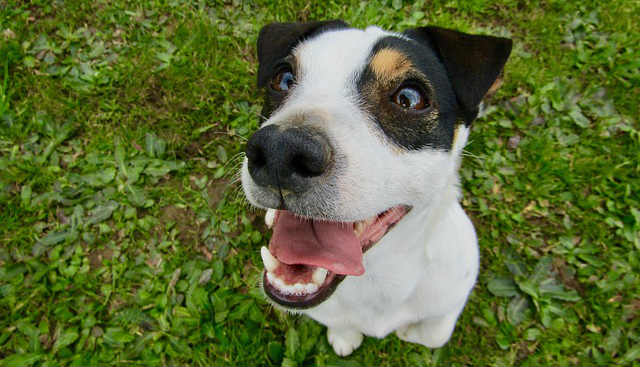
[{"x": 356, "y": 165}]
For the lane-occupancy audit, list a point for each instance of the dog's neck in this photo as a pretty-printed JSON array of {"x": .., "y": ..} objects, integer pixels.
[
  {"x": 393, "y": 266},
  {"x": 413, "y": 232},
  {"x": 424, "y": 217}
]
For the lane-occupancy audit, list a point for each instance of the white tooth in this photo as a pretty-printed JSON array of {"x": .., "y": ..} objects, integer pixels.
[
  {"x": 298, "y": 288},
  {"x": 277, "y": 282},
  {"x": 269, "y": 217},
  {"x": 271, "y": 277},
  {"x": 274, "y": 280},
  {"x": 270, "y": 262},
  {"x": 310, "y": 288},
  {"x": 319, "y": 275}
]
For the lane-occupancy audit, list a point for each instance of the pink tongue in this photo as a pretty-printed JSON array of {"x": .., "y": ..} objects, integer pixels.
[{"x": 331, "y": 245}]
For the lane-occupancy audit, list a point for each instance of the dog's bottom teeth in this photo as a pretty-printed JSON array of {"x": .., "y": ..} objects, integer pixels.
[
  {"x": 319, "y": 275},
  {"x": 298, "y": 289},
  {"x": 308, "y": 286}
]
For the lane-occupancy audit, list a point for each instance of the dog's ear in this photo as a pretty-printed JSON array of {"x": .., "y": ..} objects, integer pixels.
[
  {"x": 473, "y": 62},
  {"x": 276, "y": 40}
]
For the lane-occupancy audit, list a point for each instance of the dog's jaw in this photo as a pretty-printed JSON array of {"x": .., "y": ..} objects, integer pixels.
[{"x": 300, "y": 278}]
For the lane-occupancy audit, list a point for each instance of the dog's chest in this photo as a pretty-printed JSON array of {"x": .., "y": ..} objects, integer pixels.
[{"x": 424, "y": 268}]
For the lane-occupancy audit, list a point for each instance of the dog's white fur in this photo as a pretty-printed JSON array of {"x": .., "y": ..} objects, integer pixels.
[{"x": 419, "y": 275}]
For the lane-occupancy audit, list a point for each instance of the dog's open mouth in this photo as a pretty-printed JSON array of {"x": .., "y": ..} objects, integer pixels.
[{"x": 307, "y": 258}]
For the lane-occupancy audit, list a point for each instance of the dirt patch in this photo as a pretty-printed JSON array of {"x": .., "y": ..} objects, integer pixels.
[
  {"x": 566, "y": 276},
  {"x": 216, "y": 190},
  {"x": 98, "y": 255},
  {"x": 525, "y": 349},
  {"x": 257, "y": 220},
  {"x": 185, "y": 221},
  {"x": 154, "y": 93},
  {"x": 196, "y": 147},
  {"x": 631, "y": 310}
]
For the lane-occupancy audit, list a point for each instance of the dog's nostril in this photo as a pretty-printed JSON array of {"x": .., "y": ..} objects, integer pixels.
[
  {"x": 256, "y": 156},
  {"x": 306, "y": 166}
]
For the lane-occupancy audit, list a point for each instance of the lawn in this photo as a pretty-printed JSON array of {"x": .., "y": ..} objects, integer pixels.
[{"x": 125, "y": 238}]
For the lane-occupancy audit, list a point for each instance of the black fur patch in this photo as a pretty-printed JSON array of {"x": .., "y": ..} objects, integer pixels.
[
  {"x": 473, "y": 62},
  {"x": 432, "y": 127},
  {"x": 275, "y": 43},
  {"x": 454, "y": 69}
]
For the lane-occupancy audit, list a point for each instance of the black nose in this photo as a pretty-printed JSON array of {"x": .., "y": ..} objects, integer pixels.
[{"x": 287, "y": 159}]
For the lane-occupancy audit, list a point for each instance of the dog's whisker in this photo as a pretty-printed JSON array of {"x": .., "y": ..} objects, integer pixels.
[{"x": 232, "y": 164}]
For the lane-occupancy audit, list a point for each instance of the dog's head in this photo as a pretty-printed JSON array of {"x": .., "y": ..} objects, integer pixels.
[{"x": 361, "y": 127}]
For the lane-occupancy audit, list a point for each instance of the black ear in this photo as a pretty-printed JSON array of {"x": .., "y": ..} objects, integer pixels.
[
  {"x": 276, "y": 40},
  {"x": 473, "y": 62}
]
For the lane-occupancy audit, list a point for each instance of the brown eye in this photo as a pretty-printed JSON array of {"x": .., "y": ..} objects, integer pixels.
[
  {"x": 283, "y": 80},
  {"x": 410, "y": 99}
]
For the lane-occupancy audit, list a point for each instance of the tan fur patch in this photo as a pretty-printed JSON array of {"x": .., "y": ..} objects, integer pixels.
[
  {"x": 390, "y": 64},
  {"x": 455, "y": 135}
]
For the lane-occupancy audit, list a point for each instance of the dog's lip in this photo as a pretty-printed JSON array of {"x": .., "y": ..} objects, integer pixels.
[
  {"x": 305, "y": 300},
  {"x": 325, "y": 290}
]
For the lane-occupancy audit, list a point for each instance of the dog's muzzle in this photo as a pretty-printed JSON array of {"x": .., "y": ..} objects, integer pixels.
[{"x": 288, "y": 159}]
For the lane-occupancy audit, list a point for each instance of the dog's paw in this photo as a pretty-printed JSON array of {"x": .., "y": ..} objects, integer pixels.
[
  {"x": 344, "y": 341},
  {"x": 430, "y": 333},
  {"x": 413, "y": 334}
]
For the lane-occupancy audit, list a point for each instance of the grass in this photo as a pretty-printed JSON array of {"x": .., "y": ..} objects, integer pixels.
[{"x": 125, "y": 239}]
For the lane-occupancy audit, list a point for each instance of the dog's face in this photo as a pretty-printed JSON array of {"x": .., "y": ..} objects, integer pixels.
[{"x": 361, "y": 127}]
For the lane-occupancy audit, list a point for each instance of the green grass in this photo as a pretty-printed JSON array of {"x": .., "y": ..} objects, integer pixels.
[{"x": 125, "y": 238}]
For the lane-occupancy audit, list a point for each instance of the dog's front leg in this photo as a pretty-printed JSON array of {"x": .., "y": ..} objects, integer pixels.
[{"x": 344, "y": 340}]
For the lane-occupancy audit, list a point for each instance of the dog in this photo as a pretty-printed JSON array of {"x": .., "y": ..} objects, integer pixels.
[{"x": 356, "y": 164}]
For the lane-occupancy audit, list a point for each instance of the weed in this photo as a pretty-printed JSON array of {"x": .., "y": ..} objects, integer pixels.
[{"x": 125, "y": 238}]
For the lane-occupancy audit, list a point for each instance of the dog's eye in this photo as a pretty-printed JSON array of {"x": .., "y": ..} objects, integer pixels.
[
  {"x": 410, "y": 99},
  {"x": 283, "y": 80}
]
